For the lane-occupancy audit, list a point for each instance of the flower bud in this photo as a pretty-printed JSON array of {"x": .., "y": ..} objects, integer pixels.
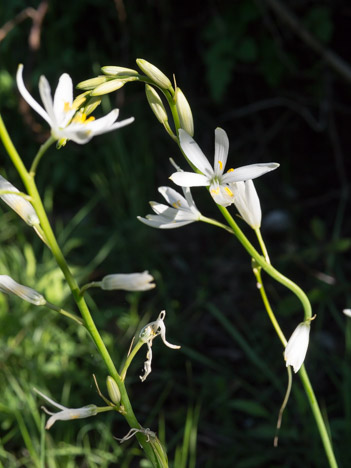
[
  {"x": 9, "y": 286},
  {"x": 118, "y": 71},
  {"x": 108, "y": 87},
  {"x": 184, "y": 112},
  {"x": 156, "y": 104},
  {"x": 128, "y": 282},
  {"x": 113, "y": 390},
  {"x": 91, "y": 105},
  {"x": 92, "y": 82},
  {"x": 19, "y": 204},
  {"x": 296, "y": 348},
  {"x": 159, "y": 78}
]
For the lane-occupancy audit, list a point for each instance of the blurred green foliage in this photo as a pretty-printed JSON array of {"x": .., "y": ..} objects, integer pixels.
[{"x": 217, "y": 400}]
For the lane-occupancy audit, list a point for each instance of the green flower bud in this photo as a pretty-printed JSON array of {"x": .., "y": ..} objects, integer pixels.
[
  {"x": 91, "y": 105},
  {"x": 156, "y": 104},
  {"x": 92, "y": 82},
  {"x": 159, "y": 78},
  {"x": 118, "y": 71},
  {"x": 108, "y": 87},
  {"x": 113, "y": 390},
  {"x": 184, "y": 112}
]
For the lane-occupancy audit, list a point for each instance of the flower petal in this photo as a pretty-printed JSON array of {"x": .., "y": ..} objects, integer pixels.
[
  {"x": 45, "y": 94},
  {"x": 161, "y": 222},
  {"x": 248, "y": 172},
  {"x": 27, "y": 97},
  {"x": 190, "y": 179},
  {"x": 63, "y": 101},
  {"x": 247, "y": 202},
  {"x": 174, "y": 198},
  {"x": 221, "y": 151},
  {"x": 194, "y": 153}
]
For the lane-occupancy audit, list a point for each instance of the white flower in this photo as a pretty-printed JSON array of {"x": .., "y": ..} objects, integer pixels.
[
  {"x": 148, "y": 334},
  {"x": 347, "y": 312},
  {"x": 66, "y": 413},
  {"x": 128, "y": 281},
  {"x": 181, "y": 211},
  {"x": 10, "y": 286},
  {"x": 214, "y": 177},
  {"x": 296, "y": 349},
  {"x": 62, "y": 116},
  {"x": 247, "y": 202}
]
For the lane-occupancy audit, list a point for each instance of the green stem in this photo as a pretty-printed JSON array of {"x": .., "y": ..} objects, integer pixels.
[
  {"x": 267, "y": 267},
  {"x": 40, "y": 154},
  {"x": 326, "y": 440},
  {"x": 267, "y": 305},
  {"x": 216, "y": 223},
  {"x": 318, "y": 417},
  {"x": 262, "y": 245},
  {"x": 63, "y": 312},
  {"x": 31, "y": 187},
  {"x": 130, "y": 358}
]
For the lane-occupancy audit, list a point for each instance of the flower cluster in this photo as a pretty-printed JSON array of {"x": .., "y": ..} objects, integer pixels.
[{"x": 63, "y": 116}]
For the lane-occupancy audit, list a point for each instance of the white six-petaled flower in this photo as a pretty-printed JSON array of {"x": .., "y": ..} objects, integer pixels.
[
  {"x": 247, "y": 202},
  {"x": 296, "y": 348},
  {"x": 214, "y": 177},
  {"x": 66, "y": 413},
  {"x": 61, "y": 114},
  {"x": 182, "y": 210}
]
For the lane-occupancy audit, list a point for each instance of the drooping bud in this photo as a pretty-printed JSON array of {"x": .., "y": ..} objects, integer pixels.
[
  {"x": 159, "y": 78},
  {"x": 10, "y": 286},
  {"x": 113, "y": 390},
  {"x": 296, "y": 348},
  {"x": 156, "y": 104},
  {"x": 19, "y": 204},
  {"x": 184, "y": 112}
]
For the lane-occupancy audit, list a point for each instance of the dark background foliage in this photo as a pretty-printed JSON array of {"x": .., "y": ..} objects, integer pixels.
[{"x": 245, "y": 69}]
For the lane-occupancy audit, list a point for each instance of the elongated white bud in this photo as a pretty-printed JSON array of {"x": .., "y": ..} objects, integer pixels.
[
  {"x": 19, "y": 204},
  {"x": 128, "y": 282},
  {"x": 10, "y": 286},
  {"x": 296, "y": 349}
]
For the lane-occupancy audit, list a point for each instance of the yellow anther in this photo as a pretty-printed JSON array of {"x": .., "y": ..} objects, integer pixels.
[
  {"x": 220, "y": 165},
  {"x": 229, "y": 192},
  {"x": 82, "y": 118},
  {"x": 176, "y": 204},
  {"x": 230, "y": 170},
  {"x": 215, "y": 191}
]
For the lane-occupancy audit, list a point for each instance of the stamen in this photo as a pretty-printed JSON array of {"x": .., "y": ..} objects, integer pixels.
[
  {"x": 66, "y": 107},
  {"x": 229, "y": 192},
  {"x": 215, "y": 191},
  {"x": 230, "y": 170},
  {"x": 220, "y": 165},
  {"x": 177, "y": 204}
]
